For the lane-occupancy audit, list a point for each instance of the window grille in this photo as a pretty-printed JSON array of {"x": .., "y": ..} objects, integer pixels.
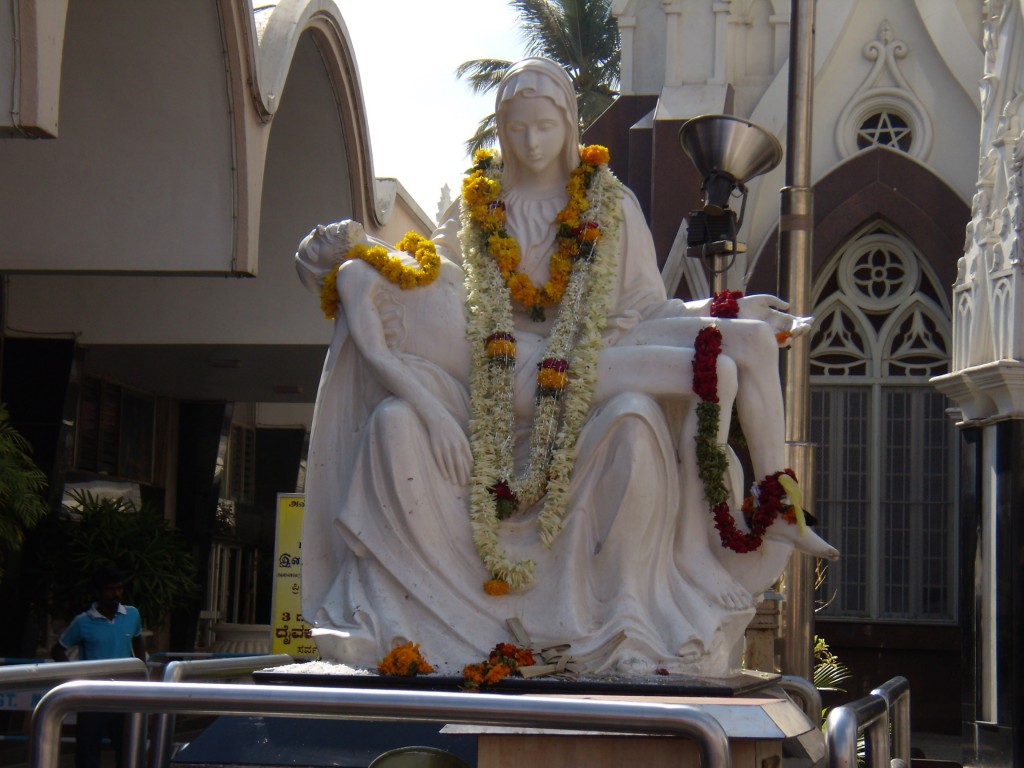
[
  {"x": 242, "y": 464},
  {"x": 885, "y": 129},
  {"x": 884, "y": 464},
  {"x": 115, "y": 431}
]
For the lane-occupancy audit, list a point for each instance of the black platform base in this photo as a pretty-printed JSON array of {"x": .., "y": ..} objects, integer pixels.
[
  {"x": 740, "y": 684},
  {"x": 288, "y": 741}
]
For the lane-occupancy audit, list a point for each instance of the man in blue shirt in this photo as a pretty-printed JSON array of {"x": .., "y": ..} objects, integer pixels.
[{"x": 108, "y": 630}]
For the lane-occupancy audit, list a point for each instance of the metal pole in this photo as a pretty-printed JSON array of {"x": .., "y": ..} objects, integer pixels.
[{"x": 795, "y": 228}]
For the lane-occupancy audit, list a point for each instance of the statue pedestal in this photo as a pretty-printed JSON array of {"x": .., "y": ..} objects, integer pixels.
[
  {"x": 760, "y": 722},
  {"x": 756, "y": 727}
]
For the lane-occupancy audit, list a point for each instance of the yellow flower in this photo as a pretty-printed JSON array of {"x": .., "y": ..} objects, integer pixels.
[
  {"x": 481, "y": 194},
  {"x": 329, "y": 295},
  {"x": 390, "y": 267},
  {"x": 477, "y": 188},
  {"x": 505, "y": 251}
]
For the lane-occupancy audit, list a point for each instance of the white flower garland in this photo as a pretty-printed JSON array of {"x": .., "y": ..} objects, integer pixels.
[{"x": 558, "y": 420}]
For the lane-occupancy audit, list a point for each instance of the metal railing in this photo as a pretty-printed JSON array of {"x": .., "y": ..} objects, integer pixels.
[
  {"x": 162, "y": 744},
  {"x": 372, "y": 704},
  {"x": 896, "y": 693},
  {"x": 46, "y": 675},
  {"x": 871, "y": 716},
  {"x": 805, "y": 694},
  {"x": 50, "y": 673}
]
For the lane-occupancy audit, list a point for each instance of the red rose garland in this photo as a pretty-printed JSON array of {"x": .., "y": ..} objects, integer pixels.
[{"x": 766, "y": 504}]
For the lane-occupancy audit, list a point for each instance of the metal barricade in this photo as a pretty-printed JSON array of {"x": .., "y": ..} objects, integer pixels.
[
  {"x": 162, "y": 743},
  {"x": 369, "y": 704},
  {"x": 871, "y": 716},
  {"x": 805, "y": 695},
  {"x": 896, "y": 693},
  {"x": 46, "y": 675}
]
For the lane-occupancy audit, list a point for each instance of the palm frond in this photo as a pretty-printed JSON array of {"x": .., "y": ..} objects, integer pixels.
[
  {"x": 580, "y": 35},
  {"x": 22, "y": 483},
  {"x": 483, "y": 75},
  {"x": 486, "y": 135}
]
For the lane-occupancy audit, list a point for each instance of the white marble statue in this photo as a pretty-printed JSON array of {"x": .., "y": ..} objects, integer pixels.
[{"x": 516, "y": 439}]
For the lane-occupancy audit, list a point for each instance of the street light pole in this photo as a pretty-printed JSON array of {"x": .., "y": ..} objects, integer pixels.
[{"x": 796, "y": 224}]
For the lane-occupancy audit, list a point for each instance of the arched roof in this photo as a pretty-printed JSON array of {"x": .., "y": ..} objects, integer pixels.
[
  {"x": 162, "y": 135},
  {"x": 879, "y": 183}
]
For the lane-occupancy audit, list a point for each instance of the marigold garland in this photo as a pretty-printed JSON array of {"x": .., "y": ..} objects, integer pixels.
[
  {"x": 575, "y": 239},
  {"x": 582, "y": 271},
  {"x": 390, "y": 267},
  {"x": 503, "y": 661},
  {"x": 404, "y": 660},
  {"x": 768, "y": 498}
]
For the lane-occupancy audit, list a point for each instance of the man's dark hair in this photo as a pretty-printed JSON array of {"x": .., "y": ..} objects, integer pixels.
[{"x": 105, "y": 576}]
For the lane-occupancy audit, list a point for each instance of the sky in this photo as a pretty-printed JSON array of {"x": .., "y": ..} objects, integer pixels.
[{"x": 419, "y": 114}]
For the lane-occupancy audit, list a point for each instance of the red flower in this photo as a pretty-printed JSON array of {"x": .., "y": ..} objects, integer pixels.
[
  {"x": 506, "y": 502},
  {"x": 554, "y": 364},
  {"x": 725, "y": 304},
  {"x": 707, "y": 346}
]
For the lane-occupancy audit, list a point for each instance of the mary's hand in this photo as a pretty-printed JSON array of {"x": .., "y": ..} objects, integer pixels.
[
  {"x": 772, "y": 310},
  {"x": 450, "y": 446}
]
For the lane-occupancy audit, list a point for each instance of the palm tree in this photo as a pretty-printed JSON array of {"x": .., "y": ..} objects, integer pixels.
[
  {"x": 22, "y": 483},
  {"x": 581, "y": 35}
]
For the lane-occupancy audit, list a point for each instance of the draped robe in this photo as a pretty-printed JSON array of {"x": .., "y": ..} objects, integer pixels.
[{"x": 388, "y": 554}]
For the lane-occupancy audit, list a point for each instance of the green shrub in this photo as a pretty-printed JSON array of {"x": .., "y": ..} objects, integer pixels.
[
  {"x": 22, "y": 483},
  {"x": 91, "y": 532}
]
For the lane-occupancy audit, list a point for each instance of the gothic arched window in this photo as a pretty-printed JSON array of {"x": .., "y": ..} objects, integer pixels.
[{"x": 885, "y": 452}]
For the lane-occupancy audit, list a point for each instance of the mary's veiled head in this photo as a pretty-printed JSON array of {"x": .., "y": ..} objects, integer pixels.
[{"x": 538, "y": 77}]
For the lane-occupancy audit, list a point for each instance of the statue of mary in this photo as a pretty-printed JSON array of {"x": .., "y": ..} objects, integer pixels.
[{"x": 513, "y": 439}]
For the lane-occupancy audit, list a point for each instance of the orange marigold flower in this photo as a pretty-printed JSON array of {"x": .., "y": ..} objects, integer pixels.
[
  {"x": 404, "y": 660},
  {"x": 589, "y": 231},
  {"x": 524, "y": 657},
  {"x": 552, "y": 379},
  {"x": 595, "y": 154},
  {"x": 497, "y": 587},
  {"x": 473, "y": 674},
  {"x": 496, "y": 674}
]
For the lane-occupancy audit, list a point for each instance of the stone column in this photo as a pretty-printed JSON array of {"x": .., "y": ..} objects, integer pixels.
[{"x": 986, "y": 382}]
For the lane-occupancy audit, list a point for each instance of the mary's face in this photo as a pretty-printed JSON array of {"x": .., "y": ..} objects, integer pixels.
[{"x": 535, "y": 132}]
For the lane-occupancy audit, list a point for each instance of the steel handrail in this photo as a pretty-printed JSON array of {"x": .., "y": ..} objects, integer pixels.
[
  {"x": 896, "y": 693},
  {"x": 869, "y": 715},
  {"x": 162, "y": 743},
  {"x": 889, "y": 702},
  {"x": 807, "y": 696},
  {"x": 374, "y": 704},
  {"x": 49, "y": 674},
  {"x": 29, "y": 676}
]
